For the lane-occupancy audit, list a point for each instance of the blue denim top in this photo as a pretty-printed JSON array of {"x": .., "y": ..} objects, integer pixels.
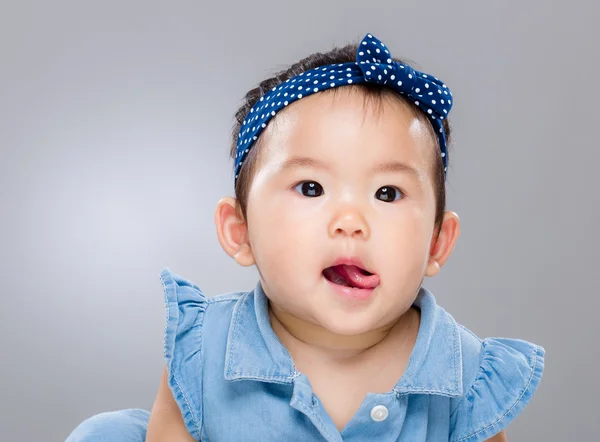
[{"x": 234, "y": 380}]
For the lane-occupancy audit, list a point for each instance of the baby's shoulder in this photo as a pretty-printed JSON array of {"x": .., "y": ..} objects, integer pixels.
[
  {"x": 184, "y": 293},
  {"x": 196, "y": 331},
  {"x": 501, "y": 355},
  {"x": 499, "y": 377}
]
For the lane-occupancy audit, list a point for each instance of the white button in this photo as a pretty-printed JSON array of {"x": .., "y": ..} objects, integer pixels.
[{"x": 379, "y": 413}]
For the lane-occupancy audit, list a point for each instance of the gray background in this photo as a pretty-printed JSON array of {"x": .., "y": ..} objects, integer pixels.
[{"x": 114, "y": 135}]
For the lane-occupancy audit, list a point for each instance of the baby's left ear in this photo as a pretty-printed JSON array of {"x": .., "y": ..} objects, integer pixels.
[
  {"x": 441, "y": 248},
  {"x": 232, "y": 231}
]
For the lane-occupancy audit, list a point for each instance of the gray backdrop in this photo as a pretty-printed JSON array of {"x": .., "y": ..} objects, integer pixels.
[{"x": 114, "y": 135}]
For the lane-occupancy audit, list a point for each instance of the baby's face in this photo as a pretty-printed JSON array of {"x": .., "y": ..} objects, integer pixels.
[{"x": 321, "y": 192}]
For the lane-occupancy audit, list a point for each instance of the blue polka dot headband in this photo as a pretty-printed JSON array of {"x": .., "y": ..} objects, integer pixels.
[{"x": 374, "y": 65}]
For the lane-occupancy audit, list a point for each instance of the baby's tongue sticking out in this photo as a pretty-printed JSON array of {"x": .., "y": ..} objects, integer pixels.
[{"x": 351, "y": 276}]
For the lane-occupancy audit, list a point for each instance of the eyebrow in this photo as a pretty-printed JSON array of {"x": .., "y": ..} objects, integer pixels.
[
  {"x": 393, "y": 166},
  {"x": 294, "y": 162}
]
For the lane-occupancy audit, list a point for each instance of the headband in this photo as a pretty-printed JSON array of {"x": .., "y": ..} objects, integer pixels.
[{"x": 374, "y": 65}]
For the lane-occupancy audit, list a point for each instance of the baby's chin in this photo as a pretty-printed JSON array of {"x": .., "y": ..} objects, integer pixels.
[
  {"x": 334, "y": 312},
  {"x": 357, "y": 320},
  {"x": 349, "y": 333},
  {"x": 339, "y": 321},
  {"x": 350, "y": 324}
]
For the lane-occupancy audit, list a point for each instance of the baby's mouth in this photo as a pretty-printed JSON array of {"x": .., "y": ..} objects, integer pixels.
[{"x": 351, "y": 276}]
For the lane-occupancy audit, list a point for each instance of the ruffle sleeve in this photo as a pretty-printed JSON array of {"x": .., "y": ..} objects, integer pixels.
[
  {"x": 185, "y": 307},
  {"x": 509, "y": 374}
]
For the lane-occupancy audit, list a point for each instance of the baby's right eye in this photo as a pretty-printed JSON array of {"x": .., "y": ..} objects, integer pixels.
[{"x": 309, "y": 188}]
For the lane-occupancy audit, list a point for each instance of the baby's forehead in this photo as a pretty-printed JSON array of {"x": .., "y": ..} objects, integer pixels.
[
  {"x": 378, "y": 120},
  {"x": 339, "y": 135}
]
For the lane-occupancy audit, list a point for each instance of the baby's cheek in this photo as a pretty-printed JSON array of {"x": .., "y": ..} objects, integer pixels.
[
  {"x": 270, "y": 244},
  {"x": 286, "y": 250},
  {"x": 404, "y": 250}
]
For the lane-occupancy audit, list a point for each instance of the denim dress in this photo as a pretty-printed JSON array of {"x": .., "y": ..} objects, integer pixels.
[{"x": 233, "y": 380}]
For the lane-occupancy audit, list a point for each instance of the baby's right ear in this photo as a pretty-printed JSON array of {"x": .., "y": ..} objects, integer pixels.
[{"x": 232, "y": 231}]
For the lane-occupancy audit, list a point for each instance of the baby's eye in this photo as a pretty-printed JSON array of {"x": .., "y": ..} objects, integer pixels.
[
  {"x": 388, "y": 193},
  {"x": 310, "y": 188}
]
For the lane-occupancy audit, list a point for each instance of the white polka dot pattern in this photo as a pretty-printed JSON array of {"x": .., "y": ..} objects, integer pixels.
[{"x": 374, "y": 65}]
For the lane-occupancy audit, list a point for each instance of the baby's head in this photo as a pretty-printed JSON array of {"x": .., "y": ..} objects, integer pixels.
[{"x": 352, "y": 174}]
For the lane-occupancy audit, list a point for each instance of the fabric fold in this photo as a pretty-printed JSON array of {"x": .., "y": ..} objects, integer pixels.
[
  {"x": 185, "y": 308},
  {"x": 508, "y": 376}
]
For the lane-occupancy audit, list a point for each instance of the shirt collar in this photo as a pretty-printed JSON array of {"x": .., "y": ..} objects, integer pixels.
[{"x": 254, "y": 352}]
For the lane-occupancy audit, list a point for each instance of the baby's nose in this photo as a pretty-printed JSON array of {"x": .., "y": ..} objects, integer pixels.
[{"x": 349, "y": 222}]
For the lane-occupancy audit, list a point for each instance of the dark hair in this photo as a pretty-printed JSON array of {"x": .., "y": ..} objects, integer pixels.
[{"x": 337, "y": 55}]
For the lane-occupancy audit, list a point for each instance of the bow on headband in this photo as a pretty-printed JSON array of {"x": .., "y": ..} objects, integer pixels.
[{"x": 373, "y": 64}]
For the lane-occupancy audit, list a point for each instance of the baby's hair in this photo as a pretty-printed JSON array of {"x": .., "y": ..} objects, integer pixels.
[{"x": 337, "y": 55}]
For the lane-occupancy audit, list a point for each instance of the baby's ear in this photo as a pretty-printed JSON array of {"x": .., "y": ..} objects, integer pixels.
[
  {"x": 232, "y": 231},
  {"x": 441, "y": 248}
]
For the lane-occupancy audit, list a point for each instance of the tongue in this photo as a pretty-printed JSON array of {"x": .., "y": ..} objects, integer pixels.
[{"x": 352, "y": 276}]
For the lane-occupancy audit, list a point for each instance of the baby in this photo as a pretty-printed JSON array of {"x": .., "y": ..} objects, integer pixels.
[{"x": 340, "y": 167}]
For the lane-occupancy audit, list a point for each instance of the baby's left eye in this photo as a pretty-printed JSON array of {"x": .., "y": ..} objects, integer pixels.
[{"x": 388, "y": 193}]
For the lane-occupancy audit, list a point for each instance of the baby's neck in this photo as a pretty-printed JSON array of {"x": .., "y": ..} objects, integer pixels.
[{"x": 301, "y": 336}]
